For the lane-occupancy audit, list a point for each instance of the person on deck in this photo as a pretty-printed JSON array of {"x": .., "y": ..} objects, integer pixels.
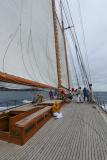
[
  {"x": 55, "y": 94},
  {"x": 56, "y": 110},
  {"x": 91, "y": 97},
  {"x": 63, "y": 95},
  {"x": 79, "y": 95},
  {"x": 86, "y": 94},
  {"x": 51, "y": 94},
  {"x": 73, "y": 91},
  {"x": 70, "y": 96},
  {"x": 37, "y": 99}
]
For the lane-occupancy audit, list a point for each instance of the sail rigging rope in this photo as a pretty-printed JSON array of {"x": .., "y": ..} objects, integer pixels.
[
  {"x": 30, "y": 40},
  {"x": 20, "y": 39},
  {"x": 78, "y": 84},
  {"x": 82, "y": 62},
  {"x": 73, "y": 39},
  {"x": 63, "y": 60},
  {"x": 28, "y": 54},
  {"x": 8, "y": 46},
  {"x": 77, "y": 79},
  {"x": 21, "y": 49},
  {"x": 60, "y": 26},
  {"x": 34, "y": 54},
  {"x": 77, "y": 47},
  {"x": 84, "y": 40},
  {"x": 28, "y": 44},
  {"x": 30, "y": 37}
]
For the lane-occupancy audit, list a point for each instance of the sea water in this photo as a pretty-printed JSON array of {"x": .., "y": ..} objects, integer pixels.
[
  {"x": 102, "y": 97},
  {"x": 10, "y": 99}
]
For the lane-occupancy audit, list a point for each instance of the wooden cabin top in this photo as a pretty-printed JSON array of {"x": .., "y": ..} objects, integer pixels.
[{"x": 25, "y": 120}]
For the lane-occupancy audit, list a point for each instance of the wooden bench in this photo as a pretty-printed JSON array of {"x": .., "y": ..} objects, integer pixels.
[{"x": 30, "y": 124}]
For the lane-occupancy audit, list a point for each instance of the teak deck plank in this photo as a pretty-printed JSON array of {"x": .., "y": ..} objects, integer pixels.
[{"x": 80, "y": 135}]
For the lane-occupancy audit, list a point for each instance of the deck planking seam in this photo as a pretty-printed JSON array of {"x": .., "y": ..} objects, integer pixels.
[
  {"x": 79, "y": 133},
  {"x": 39, "y": 148},
  {"x": 55, "y": 140}
]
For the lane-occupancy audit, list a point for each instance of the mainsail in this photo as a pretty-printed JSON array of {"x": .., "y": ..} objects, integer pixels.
[{"x": 27, "y": 43}]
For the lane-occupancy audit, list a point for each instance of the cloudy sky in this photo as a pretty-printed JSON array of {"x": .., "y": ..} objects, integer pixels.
[{"x": 95, "y": 29}]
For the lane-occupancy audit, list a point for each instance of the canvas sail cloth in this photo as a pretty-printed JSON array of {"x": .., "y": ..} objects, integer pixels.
[
  {"x": 62, "y": 54},
  {"x": 63, "y": 65},
  {"x": 27, "y": 44}
]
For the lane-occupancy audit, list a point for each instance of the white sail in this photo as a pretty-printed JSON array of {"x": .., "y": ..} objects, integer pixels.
[
  {"x": 63, "y": 65},
  {"x": 27, "y": 46}
]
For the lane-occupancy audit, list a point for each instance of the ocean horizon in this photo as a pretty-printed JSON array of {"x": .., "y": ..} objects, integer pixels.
[{"x": 10, "y": 99}]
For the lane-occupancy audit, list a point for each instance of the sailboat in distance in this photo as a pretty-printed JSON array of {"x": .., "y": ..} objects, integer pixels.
[{"x": 32, "y": 44}]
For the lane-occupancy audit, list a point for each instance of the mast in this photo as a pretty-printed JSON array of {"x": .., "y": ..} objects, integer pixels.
[
  {"x": 68, "y": 76},
  {"x": 56, "y": 44}
]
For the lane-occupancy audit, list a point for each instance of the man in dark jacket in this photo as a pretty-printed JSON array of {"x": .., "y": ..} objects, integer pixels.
[{"x": 86, "y": 94}]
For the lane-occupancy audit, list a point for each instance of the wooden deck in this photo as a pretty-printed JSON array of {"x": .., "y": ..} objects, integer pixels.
[{"x": 80, "y": 135}]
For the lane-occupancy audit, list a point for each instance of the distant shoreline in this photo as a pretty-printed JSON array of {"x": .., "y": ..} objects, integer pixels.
[{"x": 7, "y": 89}]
